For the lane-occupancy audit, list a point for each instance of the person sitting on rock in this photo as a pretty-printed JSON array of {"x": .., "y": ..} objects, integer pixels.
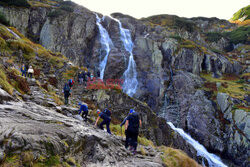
[
  {"x": 132, "y": 125},
  {"x": 66, "y": 91},
  {"x": 30, "y": 72},
  {"x": 23, "y": 70},
  {"x": 106, "y": 116},
  {"x": 84, "y": 108}
]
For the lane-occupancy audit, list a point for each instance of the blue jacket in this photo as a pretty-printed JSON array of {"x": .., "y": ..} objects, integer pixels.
[{"x": 83, "y": 108}]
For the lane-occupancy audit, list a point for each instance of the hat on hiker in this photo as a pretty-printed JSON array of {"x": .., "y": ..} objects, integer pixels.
[{"x": 131, "y": 111}]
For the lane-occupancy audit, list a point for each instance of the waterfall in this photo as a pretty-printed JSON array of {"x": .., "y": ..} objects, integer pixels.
[
  {"x": 13, "y": 33},
  {"x": 130, "y": 75},
  {"x": 106, "y": 42},
  {"x": 212, "y": 159}
]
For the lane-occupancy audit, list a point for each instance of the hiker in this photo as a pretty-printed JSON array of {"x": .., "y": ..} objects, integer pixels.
[
  {"x": 84, "y": 78},
  {"x": 71, "y": 83},
  {"x": 67, "y": 93},
  {"x": 89, "y": 75},
  {"x": 132, "y": 125},
  {"x": 127, "y": 137},
  {"x": 30, "y": 72},
  {"x": 106, "y": 116},
  {"x": 84, "y": 108},
  {"x": 98, "y": 74},
  {"x": 80, "y": 77},
  {"x": 23, "y": 70}
]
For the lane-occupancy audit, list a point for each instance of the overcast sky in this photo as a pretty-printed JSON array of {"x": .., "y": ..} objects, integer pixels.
[{"x": 223, "y": 9}]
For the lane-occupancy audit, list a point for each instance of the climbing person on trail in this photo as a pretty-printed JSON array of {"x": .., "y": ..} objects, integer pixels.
[
  {"x": 80, "y": 77},
  {"x": 98, "y": 75},
  {"x": 127, "y": 137},
  {"x": 132, "y": 125},
  {"x": 23, "y": 70},
  {"x": 30, "y": 72},
  {"x": 67, "y": 93},
  {"x": 89, "y": 75},
  {"x": 106, "y": 116},
  {"x": 84, "y": 108},
  {"x": 71, "y": 83}
]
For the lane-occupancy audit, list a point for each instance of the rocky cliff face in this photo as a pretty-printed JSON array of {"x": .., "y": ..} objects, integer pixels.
[{"x": 189, "y": 72}]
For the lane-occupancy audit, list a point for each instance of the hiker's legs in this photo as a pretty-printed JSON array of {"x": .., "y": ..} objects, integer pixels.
[
  {"x": 135, "y": 137},
  {"x": 107, "y": 126},
  {"x": 101, "y": 124},
  {"x": 81, "y": 80},
  {"x": 85, "y": 114},
  {"x": 127, "y": 139},
  {"x": 66, "y": 97}
]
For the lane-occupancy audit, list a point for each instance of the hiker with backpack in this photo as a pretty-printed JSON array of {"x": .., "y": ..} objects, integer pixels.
[
  {"x": 106, "y": 116},
  {"x": 84, "y": 108},
  {"x": 23, "y": 70},
  {"x": 71, "y": 83},
  {"x": 132, "y": 125},
  {"x": 67, "y": 92}
]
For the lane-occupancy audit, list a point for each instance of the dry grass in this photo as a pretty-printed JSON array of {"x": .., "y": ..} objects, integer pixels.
[
  {"x": 231, "y": 84},
  {"x": 176, "y": 158}
]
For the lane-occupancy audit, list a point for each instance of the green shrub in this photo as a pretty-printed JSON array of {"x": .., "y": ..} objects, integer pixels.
[
  {"x": 18, "y": 3},
  {"x": 239, "y": 35},
  {"x": 185, "y": 24},
  {"x": 3, "y": 19},
  {"x": 214, "y": 36}
]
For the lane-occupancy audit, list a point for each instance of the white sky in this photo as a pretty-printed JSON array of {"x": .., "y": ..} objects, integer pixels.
[{"x": 223, "y": 9}]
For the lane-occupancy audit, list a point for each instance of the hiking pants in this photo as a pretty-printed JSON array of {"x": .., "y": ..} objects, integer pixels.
[
  {"x": 85, "y": 114},
  {"x": 107, "y": 122},
  {"x": 24, "y": 73},
  {"x": 127, "y": 139},
  {"x": 80, "y": 80},
  {"x": 132, "y": 138},
  {"x": 66, "y": 98}
]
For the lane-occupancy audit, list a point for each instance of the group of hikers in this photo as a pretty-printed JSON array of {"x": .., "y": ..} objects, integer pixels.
[
  {"x": 27, "y": 70},
  {"x": 84, "y": 76},
  {"x": 132, "y": 122}
]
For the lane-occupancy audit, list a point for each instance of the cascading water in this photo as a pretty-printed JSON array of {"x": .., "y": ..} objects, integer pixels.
[
  {"x": 106, "y": 42},
  {"x": 130, "y": 75},
  {"x": 13, "y": 33},
  {"x": 213, "y": 160}
]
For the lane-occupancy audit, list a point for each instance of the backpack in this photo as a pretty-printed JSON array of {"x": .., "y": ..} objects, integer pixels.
[
  {"x": 66, "y": 87},
  {"x": 134, "y": 123},
  {"x": 71, "y": 82},
  {"x": 107, "y": 112}
]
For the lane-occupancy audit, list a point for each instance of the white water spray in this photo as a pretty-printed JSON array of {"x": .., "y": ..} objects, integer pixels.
[
  {"x": 212, "y": 159},
  {"x": 106, "y": 42},
  {"x": 130, "y": 75},
  {"x": 13, "y": 33}
]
